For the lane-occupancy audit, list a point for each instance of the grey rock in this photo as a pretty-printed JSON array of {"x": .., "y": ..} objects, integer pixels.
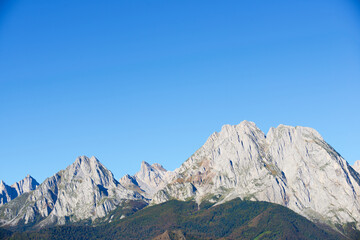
[
  {"x": 8, "y": 193},
  {"x": 149, "y": 180},
  {"x": 84, "y": 190},
  {"x": 291, "y": 166}
]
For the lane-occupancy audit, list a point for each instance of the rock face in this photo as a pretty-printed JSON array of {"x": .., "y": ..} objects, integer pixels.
[
  {"x": 149, "y": 180},
  {"x": 84, "y": 190},
  {"x": 26, "y": 185},
  {"x": 8, "y": 193},
  {"x": 291, "y": 166},
  {"x": 356, "y": 166}
]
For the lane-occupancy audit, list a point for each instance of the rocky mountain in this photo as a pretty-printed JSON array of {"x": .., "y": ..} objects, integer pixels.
[
  {"x": 291, "y": 166},
  {"x": 149, "y": 180},
  {"x": 356, "y": 166},
  {"x": 26, "y": 185},
  {"x": 8, "y": 193},
  {"x": 85, "y": 190}
]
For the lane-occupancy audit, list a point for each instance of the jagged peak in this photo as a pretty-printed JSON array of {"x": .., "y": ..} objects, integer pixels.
[
  {"x": 284, "y": 126},
  {"x": 29, "y": 177},
  {"x": 243, "y": 127},
  {"x": 297, "y": 128},
  {"x": 280, "y": 128},
  {"x": 226, "y": 126},
  {"x": 252, "y": 125},
  {"x": 247, "y": 123},
  {"x": 127, "y": 179},
  {"x": 126, "y": 176},
  {"x": 243, "y": 124},
  {"x": 79, "y": 160},
  {"x": 86, "y": 161},
  {"x": 290, "y": 130},
  {"x": 229, "y": 127},
  {"x": 88, "y": 165},
  {"x": 158, "y": 167},
  {"x": 145, "y": 164},
  {"x": 146, "y": 167},
  {"x": 234, "y": 131},
  {"x": 2, "y": 185},
  {"x": 89, "y": 168}
]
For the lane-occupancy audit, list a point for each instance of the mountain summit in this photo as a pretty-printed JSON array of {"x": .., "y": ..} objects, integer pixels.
[
  {"x": 149, "y": 180},
  {"x": 290, "y": 166},
  {"x": 8, "y": 193},
  {"x": 84, "y": 190}
]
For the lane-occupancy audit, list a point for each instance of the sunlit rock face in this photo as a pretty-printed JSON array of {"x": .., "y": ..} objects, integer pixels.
[
  {"x": 149, "y": 180},
  {"x": 84, "y": 190},
  {"x": 291, "y": 166},
  {"x": 8, "y": 193}
]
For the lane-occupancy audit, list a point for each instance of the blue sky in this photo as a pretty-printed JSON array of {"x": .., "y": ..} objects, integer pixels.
[{"x": 128, "y": 81}]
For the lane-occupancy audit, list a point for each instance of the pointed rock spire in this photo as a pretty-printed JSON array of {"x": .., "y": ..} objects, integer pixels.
[
  {"x": 25, "y": 185},
  {"x": 2, "y": 187},
  {"x": 84, "y": 190},
  {"x": 149, "y": 179},
  {"x": 8, "y": 193}
]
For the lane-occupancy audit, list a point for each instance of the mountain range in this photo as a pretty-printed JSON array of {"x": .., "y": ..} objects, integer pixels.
[
  {"x": 8, "y": 193},
  {"x": 290, "y": 166}
]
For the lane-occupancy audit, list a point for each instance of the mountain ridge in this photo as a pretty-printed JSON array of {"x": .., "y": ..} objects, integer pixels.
[
  {"x": 290, "y": 166},
  {"x": 8, "y": 193},
  {"x": 243, "y": 160},
  {"x": 84, "y": 190}
]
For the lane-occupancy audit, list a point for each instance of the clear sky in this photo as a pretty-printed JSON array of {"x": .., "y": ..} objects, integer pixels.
[{"x": 128, "y": 81}]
